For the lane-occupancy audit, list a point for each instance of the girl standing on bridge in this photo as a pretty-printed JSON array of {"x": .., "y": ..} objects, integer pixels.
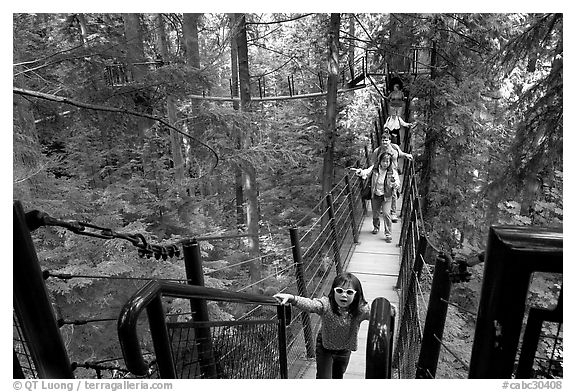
[{"x": 341, "y": 313}]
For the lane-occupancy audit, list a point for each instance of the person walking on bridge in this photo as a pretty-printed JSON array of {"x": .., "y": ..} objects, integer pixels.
[
  {"x": 385, "y": 182},
  {"x": 396, "y": 101},
  {"x": 341, "y": 313}
]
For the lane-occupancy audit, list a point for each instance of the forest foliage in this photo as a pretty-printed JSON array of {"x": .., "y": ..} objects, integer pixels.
[{"x": 487, "y": 145}]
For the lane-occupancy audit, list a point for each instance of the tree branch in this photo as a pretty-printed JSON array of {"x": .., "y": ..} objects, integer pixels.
[
  {"x": 68, "y": 101},
  {"x": 278, "y": 21}
]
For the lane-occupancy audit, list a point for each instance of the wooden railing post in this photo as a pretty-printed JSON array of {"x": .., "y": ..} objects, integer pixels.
[
  {"x": 332, "y": 223},
  {"x": 199, "y": 308},
  {"x": 302, "y": 291},
  {"x": 351, "y": 205}
]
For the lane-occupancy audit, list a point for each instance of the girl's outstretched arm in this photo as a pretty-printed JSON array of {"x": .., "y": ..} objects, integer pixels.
[{"x": 313, "y": 305}]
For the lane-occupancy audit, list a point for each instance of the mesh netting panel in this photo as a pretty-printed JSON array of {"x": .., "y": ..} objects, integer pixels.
[
  {"x": 239, "y": 349},
  {"x": 549, "y": 358},
  {"x": 21, "y": 351}
]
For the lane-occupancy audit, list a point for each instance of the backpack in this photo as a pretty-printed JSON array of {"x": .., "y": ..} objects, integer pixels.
[{"x": 366, "y": 188}]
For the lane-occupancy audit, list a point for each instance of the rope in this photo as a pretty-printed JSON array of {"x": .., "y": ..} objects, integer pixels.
[
  {"x": 320, "y": 249},
  {"x": 318, "y": 221},
  {"x": 458, "y": 307},
  {"x": 47, "y": 274},
  {"x": 223, "y": 237},
  {"x": 321, "y": 201},
  {"x": 308, "y": 214},
  {"x": 336, "y": 198},
  {"x": 320, "y": 218},
  {"x": 426, "y": 267},
  {"x": 247, "y": 261},
  {"x": 62, "y": 322},
  {"x": 267, "y": 277},
  {"x": 466, "y": 366},
  {"x": 321, "y": 281},
  {"x": 421, "y": 294}
]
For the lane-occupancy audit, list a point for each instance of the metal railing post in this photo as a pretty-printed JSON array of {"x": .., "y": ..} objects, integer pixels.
[
  {"x": 380, "y": 339},
  {"x": 435, "y": 320},
  {"x": 282, "y": 350},
  {"x": 335, "y": 244},
  {"x": 199, "y": 308},
  {"x": 32, "y": 305},
  {"x": 531, "y": 337},
  {"x": 366, "y": 165},
  {"x": 302, "y": 291},
  {"x": 351, "y": 204},
  {"x": 160, "y": 338},
  {"x": 384, "y": 108}
]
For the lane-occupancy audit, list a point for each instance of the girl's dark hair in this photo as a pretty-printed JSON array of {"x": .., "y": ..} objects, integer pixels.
[{"x": 359, "y": 299}]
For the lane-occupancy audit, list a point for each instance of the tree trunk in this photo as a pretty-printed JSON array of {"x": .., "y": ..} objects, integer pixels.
[
  {"x": 331, "y": 107},
  {"x": 236, "y": 105},
  {"x": 351, "y": 34},
  {"x": 249, "y": 175},
  {"x": 175, "y": 138},
  {"x": 25, "y": 142},
  {"x": 234, "y": 59},
  {"x": 192, "y": 56},
  {"x": 431, "y": 138},
  {"x": 134, "y": 45},
  {"x": 190, "y": 35},
  {"x": 83, "y": 28},
  {"x": 135, "y": 56}
]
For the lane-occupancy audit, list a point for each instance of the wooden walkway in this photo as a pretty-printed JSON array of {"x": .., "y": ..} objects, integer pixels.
[{"x": 376, "y": 263}]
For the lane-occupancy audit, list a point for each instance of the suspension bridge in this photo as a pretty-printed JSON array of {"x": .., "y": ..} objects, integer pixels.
[{"x": 263, "y": 339}]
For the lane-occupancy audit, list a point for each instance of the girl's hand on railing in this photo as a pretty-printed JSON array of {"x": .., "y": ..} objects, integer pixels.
[
  {"x": 284, "y": 298},
  {"x": 356, "y": 171},
  {"x": 409, "y": 157}
]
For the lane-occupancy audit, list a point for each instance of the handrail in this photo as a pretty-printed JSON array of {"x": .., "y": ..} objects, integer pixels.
[
  {"x": 380, "y": 339},
  {"x": 148, "y": 297},
  {"x": 513, "y": 254}
]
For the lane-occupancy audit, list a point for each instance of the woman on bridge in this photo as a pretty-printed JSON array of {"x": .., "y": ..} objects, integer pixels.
[
  {"x": 396, "y": 101},
  {"x": 341, "y": 313}
]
